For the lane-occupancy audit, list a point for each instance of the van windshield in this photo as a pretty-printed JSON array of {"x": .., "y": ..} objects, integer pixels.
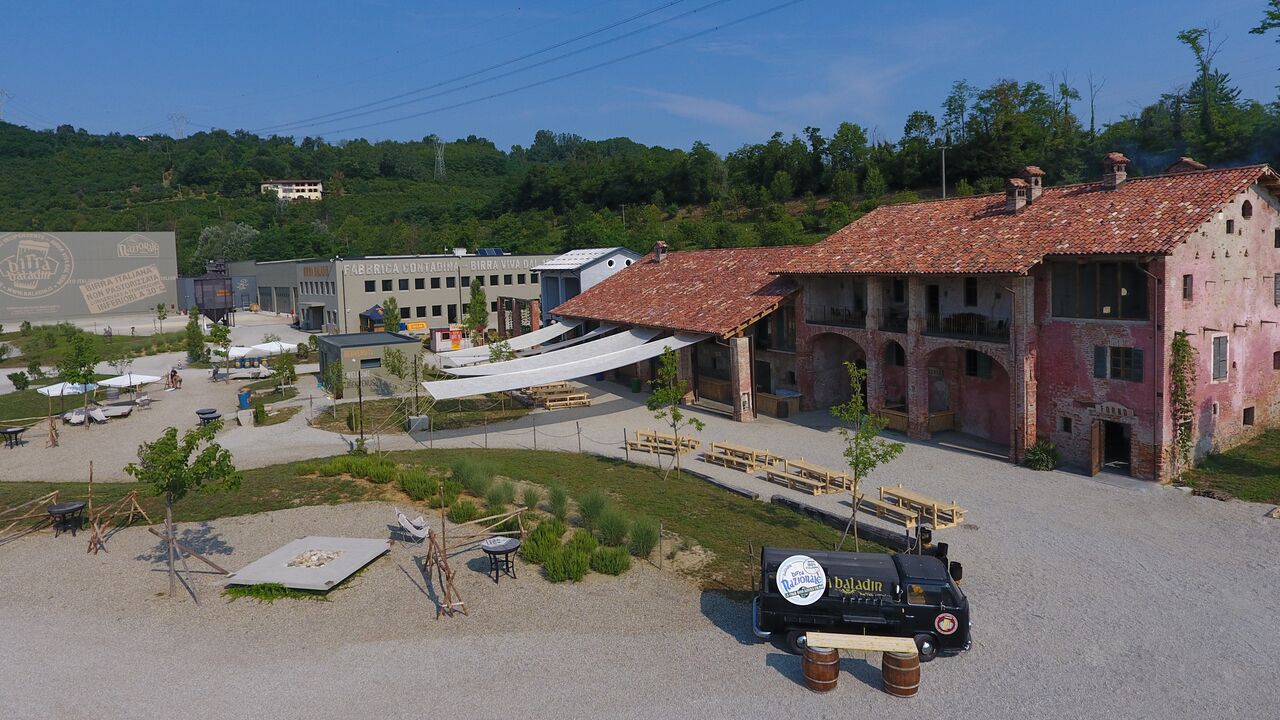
[{"x": 919, "y": 594}]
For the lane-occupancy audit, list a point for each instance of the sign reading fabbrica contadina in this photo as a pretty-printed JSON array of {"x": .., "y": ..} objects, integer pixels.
[{"x": 801, "y": 580}]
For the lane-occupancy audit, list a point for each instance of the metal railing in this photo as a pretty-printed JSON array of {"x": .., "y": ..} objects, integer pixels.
[
  {"x": 842, "y": 317},
  {"x": 969, "y": 326},
  {"x": 894, "y": 323}
]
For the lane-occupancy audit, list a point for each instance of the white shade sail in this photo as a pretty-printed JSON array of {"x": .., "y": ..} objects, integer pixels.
[
  {"x": 519, "y": 342},
  {"x": 634, "y": 337},
  {"x": 604, "y": 329},
  {"x": 276, "y": 348},
  {"x": 468, "y": 386},
  {"x": 65, "y": 388},
  {"x": 235, "y": 352},
  {"x": 129, "y": 380}
]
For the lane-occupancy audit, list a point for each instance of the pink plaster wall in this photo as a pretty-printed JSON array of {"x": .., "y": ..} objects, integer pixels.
[{"x": 1234, "y": 278}]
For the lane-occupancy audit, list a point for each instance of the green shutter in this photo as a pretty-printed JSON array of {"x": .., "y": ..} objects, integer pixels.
[
  {"x": 1137, "y": 365},
  {"x": 1099, "y": 361}
]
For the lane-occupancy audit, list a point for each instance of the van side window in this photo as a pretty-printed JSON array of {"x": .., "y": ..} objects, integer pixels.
[{"x": 924, "y": 595}]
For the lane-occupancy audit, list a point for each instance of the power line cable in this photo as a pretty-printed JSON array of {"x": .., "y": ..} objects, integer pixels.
[
  {"x": 580, "y": 71},
  {"x": 305, "y": 122},
  {"x": 517, "y": 71}
]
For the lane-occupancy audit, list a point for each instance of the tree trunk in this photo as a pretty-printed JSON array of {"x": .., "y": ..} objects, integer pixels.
[{"x": 168, "y": 532}]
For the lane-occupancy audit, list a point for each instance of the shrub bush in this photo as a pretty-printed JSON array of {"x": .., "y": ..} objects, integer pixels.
[
  {"x": 583, "y": 542},
  {"x": 20, "y": 381},
  {"x": 530, "y": 497},
  {"x": 463, "y": 511},
  {"x": 644, "y": 536},
  {"x": 558, "y": 500},
  {"x": 475, "y": 476},
  {"x": 542, "y": 540},
  {"x": 590, "y": 506},
  {"x": 452, "y": 488},
  {"x": 564, "y": 564},
  {"x": 610, "y": 560},
  {"x": 612, "y": 526},
  {"x": 259, "y": 413},
  {"x": 417, "y": 484},
  {"x": 494, "y": 499},
  {"x": 1042, "y": 456},
  {"x": 380, "y": 471}
]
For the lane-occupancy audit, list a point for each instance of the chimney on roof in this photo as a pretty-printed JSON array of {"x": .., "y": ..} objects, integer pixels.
[
  {"x": 1035, "y": 180},
  {"x": 659, "y": 251},
  {"x": 1015, "y": 192},
  {"x": 1114, "y": 170},
  {"x": 1185, "y": 165}
]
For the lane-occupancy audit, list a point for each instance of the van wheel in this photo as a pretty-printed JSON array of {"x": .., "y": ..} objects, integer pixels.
[
  {"x": 795, "y": 641},
  {"x": 927, "y": 647}
]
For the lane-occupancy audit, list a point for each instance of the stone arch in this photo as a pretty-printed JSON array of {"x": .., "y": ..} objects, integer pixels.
[
  {"x": 830, "y": 378},
  {"x": 975, "y": 387}
]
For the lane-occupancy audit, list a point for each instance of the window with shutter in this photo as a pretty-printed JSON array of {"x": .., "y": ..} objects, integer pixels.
[
  {"x": 1219, "y": 357},
  {"x": 1100, "y": 361}
]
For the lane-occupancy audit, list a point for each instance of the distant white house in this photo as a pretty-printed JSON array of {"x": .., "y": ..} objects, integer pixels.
[
  {"x": 572, "y": 273},
  {"x": 294, "y": 189}
]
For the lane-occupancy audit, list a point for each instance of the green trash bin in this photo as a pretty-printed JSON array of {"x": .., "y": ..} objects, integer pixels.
[{"x": 635, "y": 385}]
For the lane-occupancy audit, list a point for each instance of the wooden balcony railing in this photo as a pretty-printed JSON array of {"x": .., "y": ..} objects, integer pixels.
[
  {"x": 967, "y": 326},
  {"x": 839, "y": 316}
]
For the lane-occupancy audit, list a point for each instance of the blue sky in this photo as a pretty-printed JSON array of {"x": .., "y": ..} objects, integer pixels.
[{"x": 233, "y": 64}]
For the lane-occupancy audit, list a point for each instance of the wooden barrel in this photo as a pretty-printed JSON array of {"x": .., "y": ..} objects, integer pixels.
[
  {"x": 901, "y": 672},
  {"x": 821, "y": 666}
]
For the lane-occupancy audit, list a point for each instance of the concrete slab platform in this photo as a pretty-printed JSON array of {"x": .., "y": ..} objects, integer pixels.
[{"x": 311, "y": 563}]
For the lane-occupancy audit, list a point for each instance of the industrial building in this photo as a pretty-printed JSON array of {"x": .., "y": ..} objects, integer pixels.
[
  {"x": 361, "y": 355},
  {"x": 569, "y": 275},
  {"x": 289, "y": 190},
  {"x": 431, "y": 290}
]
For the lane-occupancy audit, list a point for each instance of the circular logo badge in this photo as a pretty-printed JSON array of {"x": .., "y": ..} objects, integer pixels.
[
  {"x": 33, "y": 265},
  {"x": 946, "y": 623},
  {"x": 801, "y": 580}
]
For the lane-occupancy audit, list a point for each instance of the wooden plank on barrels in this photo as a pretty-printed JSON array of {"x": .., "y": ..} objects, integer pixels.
[{"x": 868, "y": 643}]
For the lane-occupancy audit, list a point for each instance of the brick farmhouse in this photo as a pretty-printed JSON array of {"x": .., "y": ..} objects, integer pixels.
[{"x": 1045, "y": 313}]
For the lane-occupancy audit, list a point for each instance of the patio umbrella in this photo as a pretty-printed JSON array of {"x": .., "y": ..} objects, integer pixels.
[
  {"x": 63, "y": 389},
  {"x": 276, "y": 347}
]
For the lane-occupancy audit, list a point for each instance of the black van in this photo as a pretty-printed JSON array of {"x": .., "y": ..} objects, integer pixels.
[{"x": 913, "y": 596}]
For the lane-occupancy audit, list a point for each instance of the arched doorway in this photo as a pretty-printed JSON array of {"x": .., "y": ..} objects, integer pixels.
[
  {"x": 969, "y": 391},
  {"x": 830, "y": 377}
]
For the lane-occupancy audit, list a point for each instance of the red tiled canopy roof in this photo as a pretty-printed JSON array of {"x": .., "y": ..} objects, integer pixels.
[
  {"x": 971, "y": 235},
  {"x": 708, "y": 291}
]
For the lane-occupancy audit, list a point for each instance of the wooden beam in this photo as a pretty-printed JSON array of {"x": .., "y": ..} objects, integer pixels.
[{"x": 867, "y": 643}]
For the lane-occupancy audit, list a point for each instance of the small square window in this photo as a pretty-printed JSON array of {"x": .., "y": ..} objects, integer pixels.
[
  {"x": 506, "y": 279},
  {"x": 1248, "y": 416},
  {"x": 419, "y": 283},
  {"x": 521, "y": 278},
  {"x": 1065, "y": 424},
  {"x": 386, "y": 286},
  {"x": 420, "y": 311},
  {"x": 971, "y": 292},
  {"x": 453, "y": 314},
  {"x": 435, "y": 283},
  {"x": 466, "y": 281},
  {"x": 450, "y": 281},
  {"x": 533, "y": 277},
  {"x": 436, "y": 310},
  {"x": 404, "y": 313},
  {"x": 1231, "y": 227},
  {"x": 403, "y": 283},
  {"x": 370, "y": 286},
  {"x": 493, "y": 306},
  {"x": 465, "y": 308},
  {"x": 493, "y": 279},
  {"x": 1188, "y": 287}
]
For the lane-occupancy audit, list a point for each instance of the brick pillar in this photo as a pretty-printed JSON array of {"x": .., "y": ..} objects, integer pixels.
[
  {"x": 740, "y": 384},
  {"x": 804, "y": 350},
  {"x": 875, "y": 375},
  {"x": 535, "y": 314},
  {"x": 917, "y": 362},
  {"x": 684, "y": 372},
  {"x": 875, "y": 302},
  {"x": 1022, "y": 368}
]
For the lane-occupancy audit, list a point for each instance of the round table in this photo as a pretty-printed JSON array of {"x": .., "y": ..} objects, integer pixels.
[
  {"x": 67, "y": 516},
  {"x": 499, "y": 550},
  {"x": 208, "y": 415},
  {"x": 13, "y": 436}
]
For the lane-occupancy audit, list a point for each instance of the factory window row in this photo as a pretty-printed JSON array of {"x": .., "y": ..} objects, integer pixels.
[
  {"x": 449, "y": 281},
  {"x": 317, "y": 287}
]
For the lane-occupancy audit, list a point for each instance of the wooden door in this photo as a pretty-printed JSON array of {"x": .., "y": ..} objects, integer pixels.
[{"x": 1095, "y": 447}]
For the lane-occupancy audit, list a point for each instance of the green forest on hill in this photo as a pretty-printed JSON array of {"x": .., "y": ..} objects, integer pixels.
[{"x": 563, "y": 191}]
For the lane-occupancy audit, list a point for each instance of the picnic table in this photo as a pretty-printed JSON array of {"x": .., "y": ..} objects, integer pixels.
[
  {"x": 208, "y": 415},
  {"x": 795, "y": 481},
  {"x": 888, "y": 511},
  {"x": 739, "y": 457},
  {"x": 830, "y": 479},
  {"x": 940, "y": 514},
  {"x": 653, "y": 441}
]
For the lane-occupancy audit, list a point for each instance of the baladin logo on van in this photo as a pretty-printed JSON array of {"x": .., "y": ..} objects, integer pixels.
[{"x": 801, "y": 580}]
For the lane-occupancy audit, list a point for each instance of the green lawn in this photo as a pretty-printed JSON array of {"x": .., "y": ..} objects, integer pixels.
[
  {"x": 699, "y": 512},
  {"x": 388, "y": 415},
  {"x": 265, "y": 390},
  {"x": 31, "y": 405},
  {"x": 1249, "y": 472},
  {"x": 47, "y": 343}
]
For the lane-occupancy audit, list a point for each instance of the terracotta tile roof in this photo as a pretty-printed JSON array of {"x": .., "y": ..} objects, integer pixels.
[
  {"x": 969, "y": 235},
  {"x": 710, "y": 291}
]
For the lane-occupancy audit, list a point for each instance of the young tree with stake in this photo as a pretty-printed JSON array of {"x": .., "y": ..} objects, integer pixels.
[
  {"x": 162, "y": 312},
  {"x": 864, "y": 449},
  {"x": 220, "y": 336},
  {"x": 167, "y": 467},
  {"x": 668, "y": 393},
  {"x": 76, "y": 366},
  {"x": 194, "y": 339},
  {"x": 390, "y": 315},
  {"x": 477, "y": 317}
]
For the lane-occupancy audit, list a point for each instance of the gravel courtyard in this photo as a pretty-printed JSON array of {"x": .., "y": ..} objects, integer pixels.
[{"x": 1100, "y": 597}]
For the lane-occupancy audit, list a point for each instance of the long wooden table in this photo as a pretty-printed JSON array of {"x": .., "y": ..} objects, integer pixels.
[
  {"x": 740, "y": 457},
  {"x": 656, "y": 442},
  {"x": 831, "y": 479},
  {"x": 866, "y": 643},
  {"x": 940, "y": 514}
]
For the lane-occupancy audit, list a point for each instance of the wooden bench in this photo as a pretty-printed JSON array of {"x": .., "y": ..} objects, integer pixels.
[
  {"x": 760, "y": 458},
  {"x": 566, "y": 401},
  {"x": 940, "y": 514},
  {"x": 865, "y": 643},
  {"x": 792, "y": 480},
  {"x": 830, "y": 479},
  {"x": 888, "y": 511},
  {"x": 735, "y": 462},
  {"x": 668, "y": 443}
]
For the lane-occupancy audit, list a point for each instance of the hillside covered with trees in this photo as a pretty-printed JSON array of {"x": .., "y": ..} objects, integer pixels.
[{"x": 563, "y": 191}]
